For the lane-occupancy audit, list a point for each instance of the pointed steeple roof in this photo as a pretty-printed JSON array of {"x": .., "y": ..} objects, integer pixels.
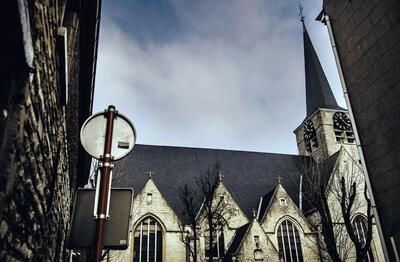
[{"x": 318, "y": 91}]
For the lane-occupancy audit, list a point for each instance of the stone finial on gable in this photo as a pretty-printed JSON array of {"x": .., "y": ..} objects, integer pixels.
[
  {"x": 254, "y": 212},
  {"x": 279, "y": 179},
  {"x": 150, "y": 174},
  {"x": 220, "y": 176}
]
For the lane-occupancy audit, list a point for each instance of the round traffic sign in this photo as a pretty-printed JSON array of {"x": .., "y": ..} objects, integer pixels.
[{"x": 93, "y": 134}]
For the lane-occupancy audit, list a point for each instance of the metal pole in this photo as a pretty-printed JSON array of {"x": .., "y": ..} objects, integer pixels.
[{"x": 104, "y": 185}]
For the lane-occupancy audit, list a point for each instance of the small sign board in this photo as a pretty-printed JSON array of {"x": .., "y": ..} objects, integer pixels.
[
  {"x": 93, "y": 133},
  {"x": 83, "y": 227}
]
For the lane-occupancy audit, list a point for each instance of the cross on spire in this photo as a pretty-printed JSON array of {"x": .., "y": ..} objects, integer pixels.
[
  {"x": 279, "y": 179},
  {"x": 150, "y": 173},
  {"x": 301, "y": 12}
]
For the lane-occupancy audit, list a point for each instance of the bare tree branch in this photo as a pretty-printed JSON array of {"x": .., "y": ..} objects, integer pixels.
[
  {"x": 315, "y": 193},
  {"x": 189, "y": 196}
]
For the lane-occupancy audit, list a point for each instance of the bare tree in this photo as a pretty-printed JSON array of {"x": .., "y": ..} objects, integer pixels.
[
  {"x": 94, "y": 165},
  {"x": 208, "y": 184},
  {"x": 362, "y": 243},
  {"x": 315, "y": 193},
  {"x": 203, "y": 207},
  {"x": 346, "y": 185},
  {"x": 215, "y": 209},
  {"x": 190, "y": 198},
  {"x": 351, "y": 192}
]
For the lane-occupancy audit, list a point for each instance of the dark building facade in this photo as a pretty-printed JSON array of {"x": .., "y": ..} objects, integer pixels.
[
  {"x": 367, "y": 36},
  {"x": 47, "y": 74}
]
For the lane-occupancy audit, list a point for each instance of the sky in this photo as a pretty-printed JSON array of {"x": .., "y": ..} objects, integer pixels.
[{"x": 226, "y": 74}]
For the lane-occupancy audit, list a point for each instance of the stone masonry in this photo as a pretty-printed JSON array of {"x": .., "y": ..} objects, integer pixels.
[
  {"x": 38, "y": 176},
  {"x": 367, "y": 35}
]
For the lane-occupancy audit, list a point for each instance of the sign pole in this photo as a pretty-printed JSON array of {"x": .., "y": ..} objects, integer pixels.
[{"x": 104, "y": 184}]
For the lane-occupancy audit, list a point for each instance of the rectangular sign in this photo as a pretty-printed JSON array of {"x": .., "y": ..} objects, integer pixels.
[{"x": 83, "y": 226}]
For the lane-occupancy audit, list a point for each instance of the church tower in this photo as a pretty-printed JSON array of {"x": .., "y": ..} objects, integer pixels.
[{"x": 326, "y": 125}]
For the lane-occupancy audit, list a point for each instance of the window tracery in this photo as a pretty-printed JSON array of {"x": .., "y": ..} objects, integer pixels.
[
  {"x": 148, "y": 241},
  {"x": 289, "y": 242}
]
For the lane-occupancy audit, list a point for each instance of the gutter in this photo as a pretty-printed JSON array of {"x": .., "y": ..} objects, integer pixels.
[
  {"x": 325, "y": 19},
  {"x": 90, "y": 14}
]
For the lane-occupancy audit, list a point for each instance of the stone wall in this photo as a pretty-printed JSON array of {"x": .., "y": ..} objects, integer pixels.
[
  {"x": 35, "y": 182},
  {"x": 249, "y": 245},
  {"x": 367, "y": 35}
]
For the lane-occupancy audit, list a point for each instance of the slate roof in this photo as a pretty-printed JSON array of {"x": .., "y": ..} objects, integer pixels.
[
  {"x": 237, "y": 239},
  {"x": 264, "y": 203},
  {"x": 327, "y": 167},
  {"x": 247, "y": 175},
  {"x": 318, "y": 91}
]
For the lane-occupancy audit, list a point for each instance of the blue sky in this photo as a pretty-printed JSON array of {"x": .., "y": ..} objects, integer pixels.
[{"x": 211, "y": 74}]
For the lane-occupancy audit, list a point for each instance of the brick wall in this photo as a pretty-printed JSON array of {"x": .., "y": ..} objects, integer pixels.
[
  {"x": 38, "y": 133},
  {"x": 367, "y": 35}
]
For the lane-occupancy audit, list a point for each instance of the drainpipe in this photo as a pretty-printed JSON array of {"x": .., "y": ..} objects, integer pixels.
[
  {"x": 301, "y": 193},
  {"x": 358, "y": 142}
]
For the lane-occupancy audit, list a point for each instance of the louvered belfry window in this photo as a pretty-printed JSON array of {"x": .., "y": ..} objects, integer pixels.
[
  {"x": 148, "y": 241},
  {"x": 289, "y": 242}
]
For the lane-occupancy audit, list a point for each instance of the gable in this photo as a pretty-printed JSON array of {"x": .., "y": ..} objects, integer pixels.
[
  {"x": 276, "y": 212},
  {"x": 244, "y": 243},
  {"x": 158, "y": 207},
  {"x": 233, "y": 213},
  {"x": 348, "y": 167}
]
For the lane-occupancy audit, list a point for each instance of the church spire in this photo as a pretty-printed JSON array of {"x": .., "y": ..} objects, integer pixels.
[{"x": 318, "y": 91}]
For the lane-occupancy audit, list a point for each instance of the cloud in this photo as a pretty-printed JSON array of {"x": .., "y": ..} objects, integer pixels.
[{"x": 230, "y": 76}]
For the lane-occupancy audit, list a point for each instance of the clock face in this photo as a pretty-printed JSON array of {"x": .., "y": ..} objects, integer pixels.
[
  {"x": 309, "y": 130},
  {"x": 341, "y": 121}
]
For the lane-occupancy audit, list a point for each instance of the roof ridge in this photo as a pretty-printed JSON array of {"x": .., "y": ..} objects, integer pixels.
[{"x": 216, "y": 149}]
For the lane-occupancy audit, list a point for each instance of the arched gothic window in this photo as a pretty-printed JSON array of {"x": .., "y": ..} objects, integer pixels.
[
  {"x": 360, "y": 228},
  {"x": 289, "y": 242},
  {"x": 148, "y": 241},
  {"x": 343, "y": 129}
]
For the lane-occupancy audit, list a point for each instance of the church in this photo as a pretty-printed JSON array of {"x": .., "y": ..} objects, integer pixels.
[{"x": 271, "y": 219}]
